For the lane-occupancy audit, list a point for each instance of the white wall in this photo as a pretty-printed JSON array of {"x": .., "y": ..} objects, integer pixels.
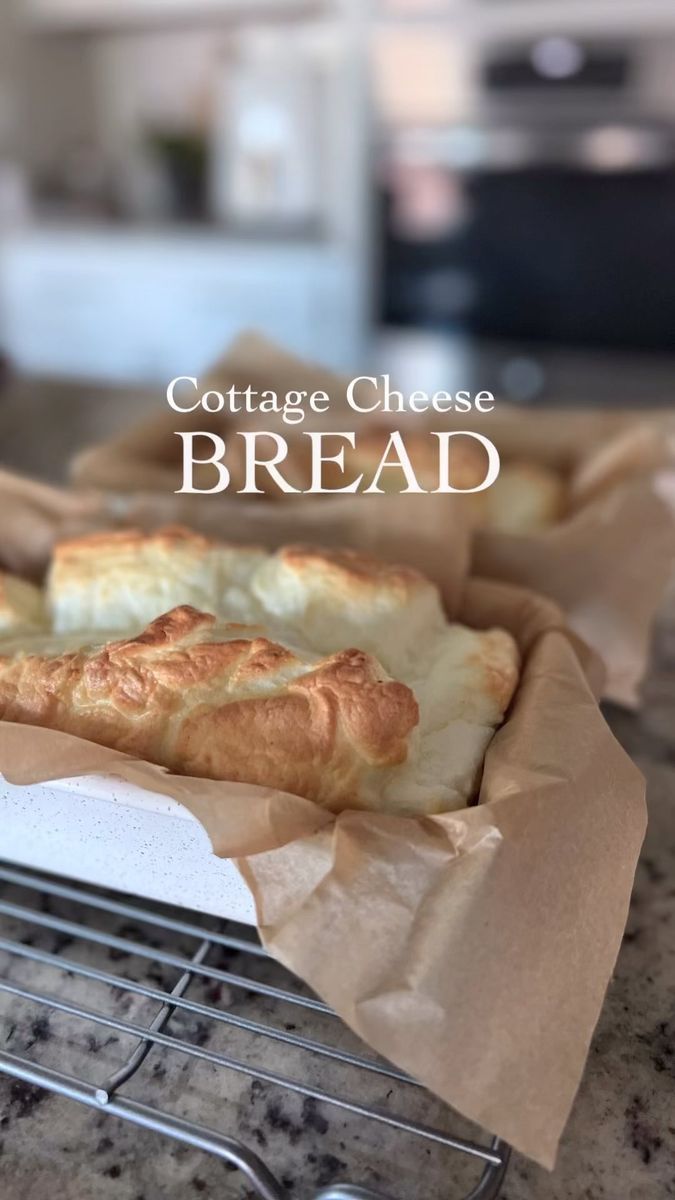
[{"x": 46, "y": 92}]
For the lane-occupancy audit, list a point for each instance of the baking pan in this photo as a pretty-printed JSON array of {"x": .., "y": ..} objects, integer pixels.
[{"x": 104, "y": 831}]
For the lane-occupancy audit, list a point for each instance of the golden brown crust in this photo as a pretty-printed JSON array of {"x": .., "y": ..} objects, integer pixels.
[
  {"x": 497, "y": 659},
  {"x": 169, "y": 536},
  {"x": 352, "y": 568},
  {"x": 206, "y": 701},
  {"x": 358, "y": 567}
]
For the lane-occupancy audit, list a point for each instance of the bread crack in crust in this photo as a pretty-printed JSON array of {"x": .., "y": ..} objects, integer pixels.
[{"x": 223, "y": 702}]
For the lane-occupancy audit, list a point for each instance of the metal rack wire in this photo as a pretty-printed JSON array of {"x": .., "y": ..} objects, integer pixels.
[{"x": 34, "y": 909}]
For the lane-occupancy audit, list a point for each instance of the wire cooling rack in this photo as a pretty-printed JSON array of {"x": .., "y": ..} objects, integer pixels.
[{"x": 148, "y": 935}]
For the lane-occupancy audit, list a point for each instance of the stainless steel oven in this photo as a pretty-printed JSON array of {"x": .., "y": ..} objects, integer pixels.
[{"x": 550, "y": 213}]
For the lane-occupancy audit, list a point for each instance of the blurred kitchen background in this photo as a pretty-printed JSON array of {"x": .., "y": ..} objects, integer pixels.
[{"x": 469, "y": 193}]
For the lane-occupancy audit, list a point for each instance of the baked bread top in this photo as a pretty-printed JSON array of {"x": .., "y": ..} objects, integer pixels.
[
  {"x": 525, "y": 497},
  {"x": 325, "y": 673},
  {"x": 22, "y": 605},
  {"x": 468, "y": 461},
  {"x": 120, "y": 581}
]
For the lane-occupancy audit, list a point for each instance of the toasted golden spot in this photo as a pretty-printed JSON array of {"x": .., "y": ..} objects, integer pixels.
[
  {"x": 351, "y": 567},
  {"x": 119, "y": 540},
  {"x": 179, "y": 625},
  {"x": 496, "y": 659}
]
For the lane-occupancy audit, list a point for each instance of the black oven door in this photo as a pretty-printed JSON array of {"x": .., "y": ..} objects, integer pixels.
[{"x": 563, "y": 255}]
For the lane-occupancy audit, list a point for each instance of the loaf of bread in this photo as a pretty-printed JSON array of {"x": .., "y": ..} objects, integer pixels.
[
  {"x": 524, "y": 498},
  {"x": 344, "y": 684},
  {"x": 119, "y": 581},
  {"x": 22, "y": 605},
  {"x": 468, "y": 462},
  {"x": 223, "y": 702}
]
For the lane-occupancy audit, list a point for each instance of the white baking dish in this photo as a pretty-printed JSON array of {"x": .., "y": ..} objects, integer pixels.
[{"x": 102, "y": 830}]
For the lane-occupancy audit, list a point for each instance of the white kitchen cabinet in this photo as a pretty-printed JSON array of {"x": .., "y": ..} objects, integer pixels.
[
  {"x": 125, "y": 305},
  {"x": 93, "y": 14}
]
